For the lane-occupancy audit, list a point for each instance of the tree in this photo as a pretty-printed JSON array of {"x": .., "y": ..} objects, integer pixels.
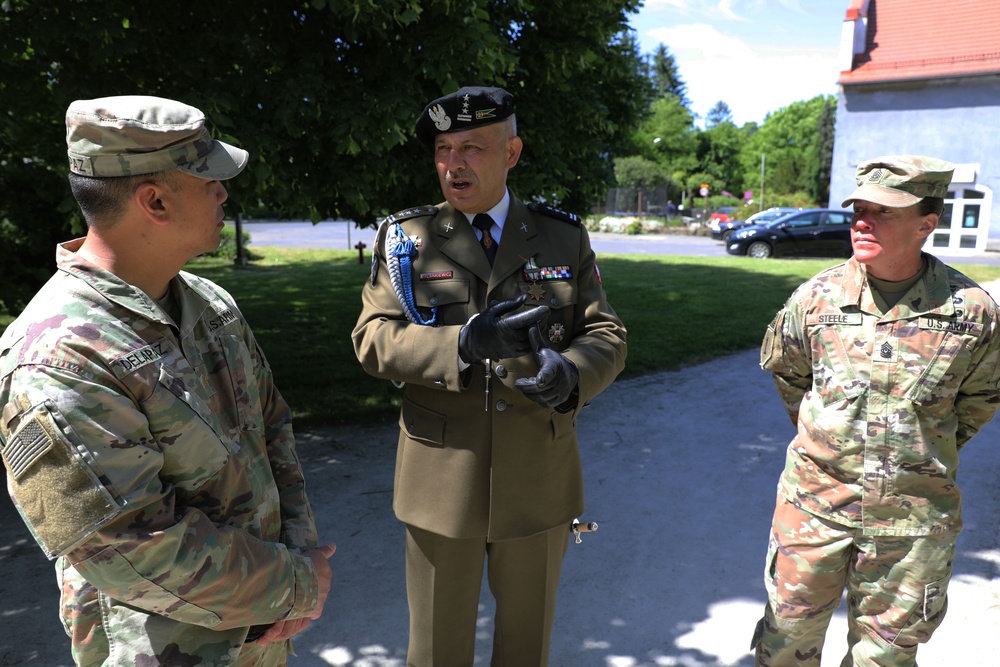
[
  {"x": 790, "y": 140},
  {"x": 665, "y": 76},
  {"x": 719, "y": 150},
  {"x": 322, "y": 93},
  {"x": 827, "y": 122},
  {"x": 638, "y": 172},
  {"x": 720, "y": 113},
  {"x": 667, "y": 135}
]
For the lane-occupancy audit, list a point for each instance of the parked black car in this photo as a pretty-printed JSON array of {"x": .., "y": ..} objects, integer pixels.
[
  {"x": 722, "y": 230},
  {"x": 816, "y": 233}
]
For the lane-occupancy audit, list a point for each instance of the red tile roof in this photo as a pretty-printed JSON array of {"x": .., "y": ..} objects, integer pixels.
[{"x": 922, "y": 39}]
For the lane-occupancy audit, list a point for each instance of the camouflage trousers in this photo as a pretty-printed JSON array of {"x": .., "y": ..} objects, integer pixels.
[{"x": 896, "y": 591}]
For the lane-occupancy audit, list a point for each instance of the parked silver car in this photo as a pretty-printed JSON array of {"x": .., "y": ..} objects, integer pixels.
[{"x": 722, "y": 231}]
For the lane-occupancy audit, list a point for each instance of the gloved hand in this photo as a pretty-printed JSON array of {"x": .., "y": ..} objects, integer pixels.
[
  {"x": 557, "y": 376},
  {"x": 495, "y": 334}
]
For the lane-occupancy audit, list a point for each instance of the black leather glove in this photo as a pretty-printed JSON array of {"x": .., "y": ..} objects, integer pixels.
[
  {"x": 556, "y": 379},
  {"x": 498, "y": 333}
]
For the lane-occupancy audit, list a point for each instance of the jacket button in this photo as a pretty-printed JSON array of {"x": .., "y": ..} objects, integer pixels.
[
  {"x": 501, "y": 371},
  {"x": 554, "y": 301},
  {"x": 434, "y": 300},
  {"x": 501, "y": 405}
]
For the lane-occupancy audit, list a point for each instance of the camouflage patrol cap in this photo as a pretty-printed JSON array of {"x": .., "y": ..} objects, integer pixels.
[
  {"x": 137, "y": 134},
  {"x": 465, "y": 109},
  {"x": 901, "y": 180}
]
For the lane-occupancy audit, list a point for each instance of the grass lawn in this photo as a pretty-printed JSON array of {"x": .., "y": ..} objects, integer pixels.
[{"x": 303, "y": 304}]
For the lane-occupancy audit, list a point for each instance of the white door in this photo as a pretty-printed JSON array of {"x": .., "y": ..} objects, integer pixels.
[{"x": 964, "y": 227}]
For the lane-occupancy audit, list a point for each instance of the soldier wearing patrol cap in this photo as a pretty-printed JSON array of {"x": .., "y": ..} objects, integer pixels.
[
  {"x": 492, "y": 313},
  {"x": 145, "y": 444},
  {"x": 888, "y": 366}
]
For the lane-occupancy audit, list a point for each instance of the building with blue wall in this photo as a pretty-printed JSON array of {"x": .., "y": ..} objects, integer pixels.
[{"x": 923, "y": 77}]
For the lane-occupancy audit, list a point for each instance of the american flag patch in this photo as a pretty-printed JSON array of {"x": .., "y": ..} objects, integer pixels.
[{"x": 30, "y": 443}]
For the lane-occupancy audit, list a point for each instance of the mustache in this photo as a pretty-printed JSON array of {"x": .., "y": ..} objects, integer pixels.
[{"x": 450, "y": 176}]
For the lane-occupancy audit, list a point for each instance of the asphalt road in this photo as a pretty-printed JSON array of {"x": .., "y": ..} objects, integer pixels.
[{"x": 344, "y": 235}]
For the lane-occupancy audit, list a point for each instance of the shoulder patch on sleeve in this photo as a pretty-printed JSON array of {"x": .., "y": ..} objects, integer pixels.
[
  {"x": 59, "y": 489},
  {"x": 545, "y": 209},
  {"x": 408, "y": 213},
  {"x": 28, "y": 444}
]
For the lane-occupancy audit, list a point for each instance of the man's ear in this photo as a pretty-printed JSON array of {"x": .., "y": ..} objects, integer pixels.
[
  {"x": 149, "y": 198},
  {"x": 513, "y": 148}
]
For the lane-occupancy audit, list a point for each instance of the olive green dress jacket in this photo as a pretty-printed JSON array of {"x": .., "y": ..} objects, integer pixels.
[{"x": 477, "y": 458}]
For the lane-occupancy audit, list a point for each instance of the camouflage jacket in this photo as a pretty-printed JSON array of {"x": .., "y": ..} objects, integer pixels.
[
  {"x": 883, "y": 403},
  {"x": 158, "y": 464}
]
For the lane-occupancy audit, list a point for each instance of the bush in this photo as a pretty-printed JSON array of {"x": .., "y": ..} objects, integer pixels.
[{"x": 227, "y": 247}]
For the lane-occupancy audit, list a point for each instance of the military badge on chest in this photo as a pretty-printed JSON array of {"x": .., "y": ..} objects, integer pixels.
[
  {"x": 536, "y": 292},
  {"x": 534, "y": 285},
  {"x": 534, "y": 273}
]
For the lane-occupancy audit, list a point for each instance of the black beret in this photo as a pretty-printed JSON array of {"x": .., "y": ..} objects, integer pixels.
[{"x": 465, "y": 109}]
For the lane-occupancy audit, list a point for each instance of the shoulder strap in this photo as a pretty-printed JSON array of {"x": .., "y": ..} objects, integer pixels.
[
  {"x": 407, "y": 213},
  {"x": 545, "y": 209}
]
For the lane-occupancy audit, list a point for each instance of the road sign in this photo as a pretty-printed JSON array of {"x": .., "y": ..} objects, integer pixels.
[{"x": 704, "y": 191}]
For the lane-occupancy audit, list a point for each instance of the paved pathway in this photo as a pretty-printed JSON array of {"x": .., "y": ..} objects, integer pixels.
[{"x": 681, "y": 470}]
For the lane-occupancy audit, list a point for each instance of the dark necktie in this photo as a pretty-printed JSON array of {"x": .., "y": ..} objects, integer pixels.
[{"x": 484, "y": 222}]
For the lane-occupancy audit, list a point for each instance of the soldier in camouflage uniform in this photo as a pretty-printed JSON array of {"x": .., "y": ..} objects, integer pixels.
[
  {"x": 145, "y": 444},
  {"x": 888, "y": 366},
  {"x": 499, "y": 348}
]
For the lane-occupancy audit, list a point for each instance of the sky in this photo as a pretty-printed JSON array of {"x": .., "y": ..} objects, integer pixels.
[{"x": 757, "y": 56}]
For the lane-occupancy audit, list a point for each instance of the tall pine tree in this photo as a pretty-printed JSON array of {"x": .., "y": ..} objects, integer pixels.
[
  {"x": 665, "y": 77},
  {"x": 720, "y": 113}
]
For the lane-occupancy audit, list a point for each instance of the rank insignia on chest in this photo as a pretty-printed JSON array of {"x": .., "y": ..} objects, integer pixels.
[
  {"x": 534, "y": 272},
  {"x": 557, "y": 332},
  {"x": 886, "y": 353}
]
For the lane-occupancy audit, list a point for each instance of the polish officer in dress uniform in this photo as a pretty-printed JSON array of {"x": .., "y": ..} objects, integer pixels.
[{"x": 492, "y": 315}]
